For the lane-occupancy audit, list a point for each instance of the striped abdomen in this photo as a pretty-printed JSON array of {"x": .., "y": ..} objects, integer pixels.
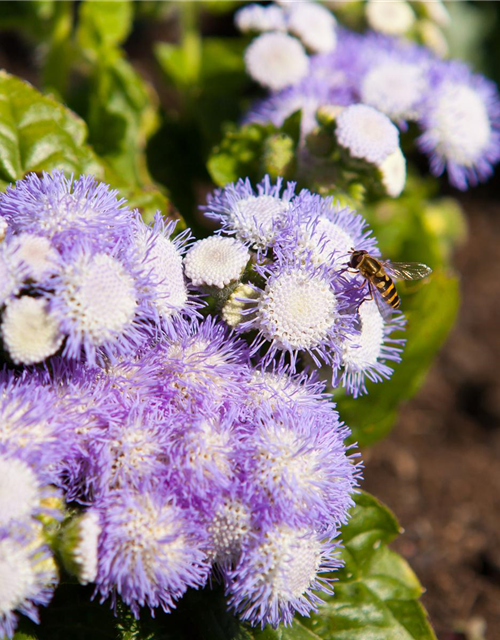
[{"x": 386, "y": 288}]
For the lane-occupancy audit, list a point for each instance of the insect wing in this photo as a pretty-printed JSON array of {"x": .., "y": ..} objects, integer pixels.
[{"x": 407, "y": 270}]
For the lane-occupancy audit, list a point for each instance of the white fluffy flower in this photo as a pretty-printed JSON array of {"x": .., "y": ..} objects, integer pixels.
[
  {"x": 84, "y": 550},
  {"x": 99, "y": 296},
  {"x": 164, "y": 261},
  {"x": 395, "y": 88},
  {"x": 461, "y": 125},
  {"x": 19, "y": 490},
  {"x": 29, "y": 332},
  {"x": 216, "y": 261},
  {"x": 366, "y": 133},
  {"x": 36, "y": 253},
  {"x": 393, "y": 173},
  {"x": 297, "y": 310},
  {"x": 314, "y": 25},
  {"x": 363, "y": 351},
  {"x": 255, "y": 17},
  {"x": 393, "y": 18},
  {"x": 276, "y": 60}
]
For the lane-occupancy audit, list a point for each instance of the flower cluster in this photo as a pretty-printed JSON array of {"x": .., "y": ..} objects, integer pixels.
[
  {"x": 369, "y": 80},
  {"x": 299, "y": 298},
  {"x": 189, "y": 454}
]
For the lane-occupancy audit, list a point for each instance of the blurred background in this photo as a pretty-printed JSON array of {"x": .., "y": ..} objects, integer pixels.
[{"x": 439, "y": 469}]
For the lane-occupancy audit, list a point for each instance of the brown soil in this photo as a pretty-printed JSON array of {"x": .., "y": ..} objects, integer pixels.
[{"x": 439, "y": 470}]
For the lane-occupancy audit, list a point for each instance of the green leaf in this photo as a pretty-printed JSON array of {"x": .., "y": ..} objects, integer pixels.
[
  {"x": 122, "y": 116},
  {"x": 103, "y": 25},
  {"x": 431, "y": 312},
  {"x": 37, "y": 133},
  {"x": 376, "y": 594}
]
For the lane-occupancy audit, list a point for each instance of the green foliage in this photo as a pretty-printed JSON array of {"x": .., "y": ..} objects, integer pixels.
[
  {"x": 376, "y": 596},
  {"x": 37, "y": 133},
  {"x": 254, "y": 150}
]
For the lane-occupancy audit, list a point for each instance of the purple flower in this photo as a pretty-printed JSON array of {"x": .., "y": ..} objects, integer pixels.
[
  {"x": 63, "y": 209},
  {"x": 325, "y": 231},
  {"x": 252, "y": 215},
  {"x": 461, "y": 124},
  {"x": 150, "y": 550},
  {"x": 295, "y": 467},
  {"x": 201, "y": 363},
  {"x": 301, "y": 309},
  {"x": 100, "y": 300},
  {"x": 278, "y": 574}
]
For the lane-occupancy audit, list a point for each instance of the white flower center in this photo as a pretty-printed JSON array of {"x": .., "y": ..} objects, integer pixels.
[
  {"x": 363, "y": 350},
  {"x": 254, "y": 218},
  {"x": 394, "y": 88},
  {"x": 85, "y": 552},
  {"x": 276, "y": 60},
  {"x": 461, "y": 124},
  {"x": 100, "y": 297},
  {"x": 19, "y": 490},
  {"x": 297, "y": 310},
  {"x": 17, "y": 577},
  {"x": 366, "y": 133},
  {"x": 227, "y": 529}
]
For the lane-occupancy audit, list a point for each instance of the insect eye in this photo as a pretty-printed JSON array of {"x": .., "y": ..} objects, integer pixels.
[{"x": 355, "y": 259}]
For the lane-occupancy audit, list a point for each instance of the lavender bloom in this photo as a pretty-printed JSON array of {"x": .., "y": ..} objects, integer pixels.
[
  {"x": 461, "y": 124},
  {"x": 325, "y": 231},
  {"x": 28, "y": 573},
  {"x": 279, "y": 574},
  {"x": 99, "y": 299},
  {"x": 63, "y": 208},
  {"x": 250, "y": 215},
  {"x": 201, "y": 363},
  {"x": 365, "y": 356},
  {"x": 128, "y": 451},
  {"x": 302, "y": 309},
  {"x": 295, "y": 467},
  {"x": 150, "y": 551}
]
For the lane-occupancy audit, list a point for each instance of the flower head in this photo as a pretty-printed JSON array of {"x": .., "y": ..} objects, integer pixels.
[
  {"x": 276, "y": 60},
  {"x": 279, "y": 573},
  {"x": 20, "y": 490},
  {"x": 393, "y": 173},
  {"x": 314, "y": 25},
  {"x": 216, "y": 261},
  {"x": 149, "y": 551},
  {"x": 393, "y": 18},
  {"x": 295, "y": 466},
  {"x": 365, "y": 356},
  {"x": 366, "y": 133},
  {"x": 256, "y": 18},
  {"x": 28, "y": 576},
  {"x": 251, "y": 215},
  {"x": 80, "y": 545},
  {"x": 62, "y": 208},
  {"x": 35, "y": 254},
  {"x": 461, "y": 125},
  {"x": 162, "y": 260},
  {"x": 97, "y": 300},
  {"x": 302, "y": 309},
  {"x": 30, "y": 333}
]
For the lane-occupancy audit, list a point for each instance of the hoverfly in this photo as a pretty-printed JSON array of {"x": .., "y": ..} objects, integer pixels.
[{"x": 380, "y": 274}]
